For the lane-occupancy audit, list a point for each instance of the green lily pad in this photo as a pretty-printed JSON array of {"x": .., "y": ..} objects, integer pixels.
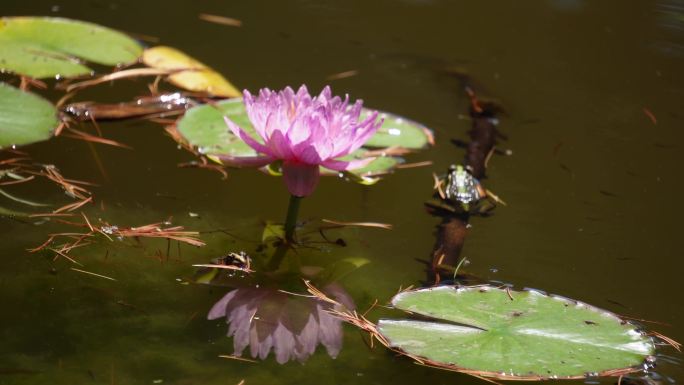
[
  {"x": 379, "y": 166},
  {"x": 397, "y": 131},
  {"x": 24, "y": 117},
  {"x": 42, "y": 47},
  {"x": 511, "y": 334},
  {"x": 204, "y": 128}
]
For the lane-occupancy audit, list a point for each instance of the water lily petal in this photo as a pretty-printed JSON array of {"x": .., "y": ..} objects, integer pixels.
[
  {"x": 329, "y": 332},
  {"x": 280, "y": 146},
  {"x": 365, "y": 130},
  {"x": 301, "y": 179},
  {"x": 219, "y": 308},
  {"x": 309, "y": 155},
  {"x": 283, "y": 344},
  {"x": 240, "y": 133}
]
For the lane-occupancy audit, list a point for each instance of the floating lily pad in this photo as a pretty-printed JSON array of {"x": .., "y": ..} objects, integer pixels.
[
  {"x": 24, "y": 117},
  {"x": 43, "y": 47},
  {"x": 204, "y": 128},
  {"x": 380, "y": 166},
  {"x": 510, "y": 334},
  {"x": 400, "y": 132},
  {"x": 193, "y": 75}
]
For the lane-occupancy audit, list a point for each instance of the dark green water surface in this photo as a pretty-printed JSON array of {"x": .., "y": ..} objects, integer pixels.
[{"x": 593, "y": 186}]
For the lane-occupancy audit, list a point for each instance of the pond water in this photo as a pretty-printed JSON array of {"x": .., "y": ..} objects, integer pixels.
[{"x": 593, "y": 185}]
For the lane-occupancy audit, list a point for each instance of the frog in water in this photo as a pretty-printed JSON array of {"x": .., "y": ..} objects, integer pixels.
[
  {"x": 460, "y": 192},
  {"x": 462, "y": 188}
]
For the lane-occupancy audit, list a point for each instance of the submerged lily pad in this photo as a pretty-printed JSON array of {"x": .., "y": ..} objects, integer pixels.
[
  {"x": 24, "y": 117},
  {"x": 203, "y": 127},
  {"x": 43, "y": 47},
  {"x": 193, "y": 75},
  {"x": 510, "y": 334}
]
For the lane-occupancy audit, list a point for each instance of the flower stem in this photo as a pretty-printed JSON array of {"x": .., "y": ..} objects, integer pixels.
[{"x": 291, "y": 218}]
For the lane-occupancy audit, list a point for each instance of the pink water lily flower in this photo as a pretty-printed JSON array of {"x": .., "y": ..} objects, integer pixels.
[{"x": 303, "y": 132}]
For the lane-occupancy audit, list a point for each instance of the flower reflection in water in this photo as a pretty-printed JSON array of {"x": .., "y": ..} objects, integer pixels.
[{"x": 266, "y": 318}]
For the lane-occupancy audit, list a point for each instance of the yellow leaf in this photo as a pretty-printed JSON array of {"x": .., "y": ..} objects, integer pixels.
[{"x": 192, "y": 74}]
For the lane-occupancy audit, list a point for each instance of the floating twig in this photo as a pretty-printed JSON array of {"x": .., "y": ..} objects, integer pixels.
[
  {"x": 223, "y": 20},
  {"x": 342, "y": 75},
  {"x": 234, "y": 357},
  {"x": 91, "y": 273},
  {"x": 650, "y": 116},
  {"x": 385, "y": 226},
  {"x": 415, "y": 164},
  {"x": 135, "y": 72},
  {"x": 76, "y": 134}
]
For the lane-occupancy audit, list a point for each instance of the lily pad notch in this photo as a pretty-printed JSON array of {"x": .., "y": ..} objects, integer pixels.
[{"x": 497, "y": 333}]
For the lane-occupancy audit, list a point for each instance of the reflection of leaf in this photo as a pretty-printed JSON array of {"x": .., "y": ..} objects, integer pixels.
[
  {"x": 193, "y": 75},
  {"x": 21, "y": 200},
  {"x": 508, "y": 334},
  {"x": 24, "y": 117},
  {"x": 273, "y": 231},
  {"x": 339, "y": 270},
  {"x": 43, "y": 47},
  {"x": 11, "y": 213}
]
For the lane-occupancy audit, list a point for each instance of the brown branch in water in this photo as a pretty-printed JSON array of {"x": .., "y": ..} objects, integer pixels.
[
  {"x": 142, "y": 107},
  {"x": 482, "y": 135}
]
